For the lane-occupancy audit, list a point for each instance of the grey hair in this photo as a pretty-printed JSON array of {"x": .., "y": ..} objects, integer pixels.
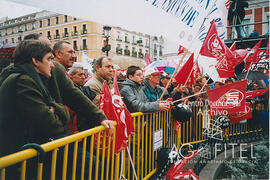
[
  {"x": 73, "y": 69},
  {"x": 58, "y": 46}
]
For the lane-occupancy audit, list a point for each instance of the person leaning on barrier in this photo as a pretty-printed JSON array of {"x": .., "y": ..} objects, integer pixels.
[
  {"x": 37, "y": 114},
  {"x": 104, "y": 72},
  {"x": 134, "y": 97}
]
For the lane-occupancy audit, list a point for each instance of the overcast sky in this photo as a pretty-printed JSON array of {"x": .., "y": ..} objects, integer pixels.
[{"x": 13, "y": 10}]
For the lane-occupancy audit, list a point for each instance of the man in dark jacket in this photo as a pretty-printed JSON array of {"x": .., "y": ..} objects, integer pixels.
[{"x": 134, "y": 97}]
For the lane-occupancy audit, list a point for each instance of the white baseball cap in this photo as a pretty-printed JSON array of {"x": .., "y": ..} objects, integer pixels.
[{"x": 151, "y": 71}]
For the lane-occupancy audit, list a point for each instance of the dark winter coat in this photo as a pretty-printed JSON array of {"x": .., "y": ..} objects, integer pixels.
[
  {"x": 135, "y": 99},
  {"x": 26, "y": 98}
]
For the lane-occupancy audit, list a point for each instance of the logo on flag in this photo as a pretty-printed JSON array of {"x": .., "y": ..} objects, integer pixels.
[
  {"x": 231, "y": 99},
  {"x": 216, "y": 47}
]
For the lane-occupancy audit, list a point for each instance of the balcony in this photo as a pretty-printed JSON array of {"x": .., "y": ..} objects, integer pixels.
[
  {"x": 134, "y": 43},
  {"x": 84, "y": 47},
  {"x": 141, "y": 55},
  {"x": 126, "y": 41},
  {"x": 74, "y": 33},
  {"x": 134, "y": 53},
  {"x": 65, "y": 35},
  {"x": 118, "y": 39},
  {"x": 160, "y": 53},
  {"x": 127, "y": 52},
  {"x": 57, "y": 36},
  {"x": 84, "y": 31},
  {"x": 119, "y": 51}
]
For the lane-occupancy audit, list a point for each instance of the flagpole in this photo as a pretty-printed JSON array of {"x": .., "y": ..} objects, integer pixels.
[
  {"x": 199, "y": 93},
  {"x": 176, "y": 69}
]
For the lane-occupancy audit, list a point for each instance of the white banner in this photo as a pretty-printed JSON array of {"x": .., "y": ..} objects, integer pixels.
[{"x": 177, "y": 20}]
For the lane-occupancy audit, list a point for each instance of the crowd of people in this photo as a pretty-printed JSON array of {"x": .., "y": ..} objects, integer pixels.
[{"x": 44, "y": 97}]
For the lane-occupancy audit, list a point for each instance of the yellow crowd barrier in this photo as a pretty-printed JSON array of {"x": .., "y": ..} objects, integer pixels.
[{"x": 152, "y": 131}]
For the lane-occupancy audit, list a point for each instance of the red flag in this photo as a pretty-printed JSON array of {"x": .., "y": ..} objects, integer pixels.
[
  {"x": 175, "y": 170},
  {"x": 148, "y": 59},
  {"x": 197, "y": 71},
  {"x": 124, "y": 120},
  {"x": 240, "y": 55},
  {"x": 181, "y": 50},
  {"x": 229, "y": 98},
  {"x": 252, "y": 94},
  {"x": 184, "y": 75},
  {"x": 105, "y": 105},
  {"x": 252, "y": 58},
  {"x": 233, "y": 46},
  {"x": 241, "y": 115},
  {"x": 213, "y": 47}
]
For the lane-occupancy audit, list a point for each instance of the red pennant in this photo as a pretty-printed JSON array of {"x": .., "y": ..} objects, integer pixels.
[
  {"x": 233, "y": 47},
  {"x": 184, "y": 75},
  {"x": 229, "y": 98},
  {"x": 181, "y": 50},
  {"x": 124, "y": 120},
  {"x": 148, "y": 59},
  {"x": 241, "y": 115},
  {"x": 214, "y": 47},
  {"x": 252, "y": 94},
  {"x": 197, "y": 71},
  {"x": 252, "y": 58}
]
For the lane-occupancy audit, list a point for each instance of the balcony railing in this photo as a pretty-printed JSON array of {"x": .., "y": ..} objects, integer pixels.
[
  {"x": 65, "y": 35},
  {"x": 74, "y": 33},
  {"x": 84, "y": 48},
  {"x": 57, "y": 36},
  {"x": 84, "y": 31}
]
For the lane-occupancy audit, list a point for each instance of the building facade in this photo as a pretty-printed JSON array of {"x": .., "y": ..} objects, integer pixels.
[{"x": 86, "y": 36}]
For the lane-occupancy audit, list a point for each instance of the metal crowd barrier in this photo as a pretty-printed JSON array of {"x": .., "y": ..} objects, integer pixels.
[{"x": 152, "y": 131}]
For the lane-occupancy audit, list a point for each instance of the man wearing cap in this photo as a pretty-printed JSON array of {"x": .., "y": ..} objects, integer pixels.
[
  {"x": 134, "y": 97},
  {"x": 151, "y": 87}
]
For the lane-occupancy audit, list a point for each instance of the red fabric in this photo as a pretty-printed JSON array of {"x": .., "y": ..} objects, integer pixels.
[
  {"x": 233, "y": 47},
  {"x": 214, "y": 47},
  {"x": 252, "y": 58},
  {"x": 229, "y": 98},
  {"x": 175, "y": 170},
  {"x": 148, "y": 59},
  {"x": 240, "y": 55},
  {"x": 241, "y": 115},
  {"x": 72, "y": 124},
  {"x": 105, "y": 105},
  {"x": 183, "y": 74},
  {"x": 124, "y": 120},
  {"x": 252, "y": 94},
  {"x": 197, "y": 71},
  {"x": 181, "y": 50}
]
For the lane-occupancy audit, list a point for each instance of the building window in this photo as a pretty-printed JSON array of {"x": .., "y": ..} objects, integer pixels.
[
  {"x": 6, "y": 41},
  {"x": 49, "y": 35},
  {"x": 74, "y": 19},
  {"x": 133, "y": 39},
  {"x": 57, "y": 20},
  {"x": 33, "y": 25},
  {"x": 57, "y": 35},
  {"x": 65, "y": 32},
  {"x": 246, "y": 28},
  {"x": 12, "y": 30},
  {"x": 40, "y": 24},
  {"x": 0, "y": 33},
  {"x": 65, "y": 18},
  {"x": 48, "y": 22},
  {"x": 126, "y": 38},
  {"x": 6, "y": 31},
  {"x": 75, "y": 31},
  {"x": 84, "y": 31},
  {"x": 12, "y": 40},
  {"x": 25, "y": 27},
  {"x": 84, "y": 44},
  {"x": 75, "y": 46}
]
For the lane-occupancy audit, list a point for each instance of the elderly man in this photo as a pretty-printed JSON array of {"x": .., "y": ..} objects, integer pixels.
[
  {"x": 64, "y": 54},
  {"x": 134, "y": 97},
  {"x": 104, "y": 72},
  {"x": 151, "y": 88}
]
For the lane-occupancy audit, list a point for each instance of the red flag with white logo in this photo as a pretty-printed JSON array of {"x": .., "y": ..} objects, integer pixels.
[
  {"x": 148, "y": 59},
  {"x": 229, "y": 98},
  {"x": 233, "y": 47},
  {"x": 105, "y": 105},
  {"x": 252, "y": 58},
  {"x": 186, "y": 73},
  {"x": 213, "y": 47},
  {"x": 181, "y": 50},
  {"x": 125, "y": 123},
  {"x": 241, "y": 115},
  {"x": 252, "y": 94}
]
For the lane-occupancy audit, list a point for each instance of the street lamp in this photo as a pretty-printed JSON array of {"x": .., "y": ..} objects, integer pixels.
[
  {"x": 106, "y": 33},
  {"x": 20, "y": 35}
]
